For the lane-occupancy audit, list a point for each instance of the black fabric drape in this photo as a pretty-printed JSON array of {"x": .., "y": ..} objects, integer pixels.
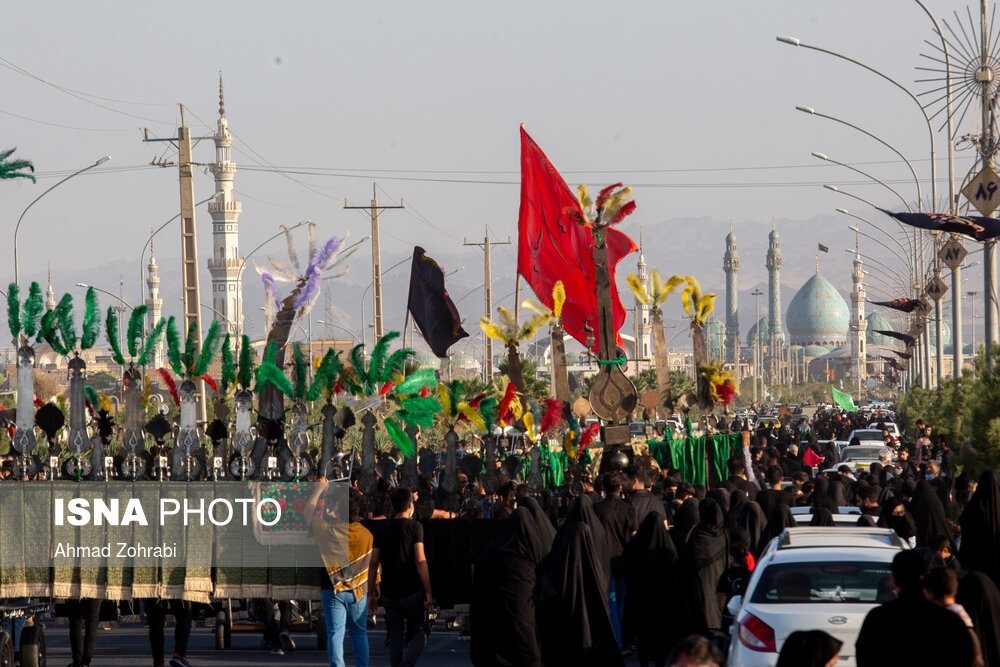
[
  {"x": 655, "y": 607},
  {"x": 502, "y": 613},
  {"x": 780, "y": 518},
  {"x": 928, "y": 513},
  {"x": 571, "y": 603},
  {"x": 752, "y": 520},
  {"x": 704, "y": 560},
  {"x": 980, "y": 523},
  {"x": 981, "y": 599},
  {"x": 582, "y": 510}
]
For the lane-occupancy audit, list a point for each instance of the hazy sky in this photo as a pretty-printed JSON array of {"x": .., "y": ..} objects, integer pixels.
[{"x": 692, "y": 103}]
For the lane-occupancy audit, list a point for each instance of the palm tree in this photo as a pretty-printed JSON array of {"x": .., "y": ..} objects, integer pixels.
[{"x": 10, "y": 169}]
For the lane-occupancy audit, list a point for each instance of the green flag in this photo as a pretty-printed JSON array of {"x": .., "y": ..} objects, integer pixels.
[{"x": 844, "y": 400}]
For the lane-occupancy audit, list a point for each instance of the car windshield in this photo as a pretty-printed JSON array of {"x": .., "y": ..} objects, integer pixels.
[
  {"x": 857, "y": 453},
  {"x": 868, "y": 435},
  {"x": 802, "y": 583}
]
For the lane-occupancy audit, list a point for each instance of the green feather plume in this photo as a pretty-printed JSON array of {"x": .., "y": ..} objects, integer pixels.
[
  {"x": 327, "y": 374},
  {"x": 134, "y": 334},
  {"x": 455, "y": 391},
  {"x": 31, "y": 316},
  {"x": 64, "y": 321},
  {"x": 91, "y": 321},
  {"x": 174, "y": 347},
  {"x": 14, "y": 309},
  {"x": 488, "y": 409},
  {"x": 111, "y": 327},
  {"x": 376, "y": 365},
  {"x": 92, "y": 398},
  {"x": 396, "y": 364},
  {"x": 50, "y": 334},
  {"x": 358, "y": 368},
  {"x": 269, "y": 373},
  {"x": 399, "y": 437},
  {"x": 246, "y": 362},
  {"x": 417, "y": 381},
  {"x": 418, "y": 411},
  {"x": 301, "y": 371},
  {"x": 228, "y": 378},
  {"x": 208, "y": 350},
  {"x": 152, "y": 340},
  {"x": 190, "y": 344}
]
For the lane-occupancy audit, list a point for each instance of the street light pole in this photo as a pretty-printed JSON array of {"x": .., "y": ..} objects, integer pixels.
[
  {"x": 972, "y": 299},
  {"x": 35, "y": 200},
  {"x": 826, "y": 158},
  {"x": 756, "y": 348}
]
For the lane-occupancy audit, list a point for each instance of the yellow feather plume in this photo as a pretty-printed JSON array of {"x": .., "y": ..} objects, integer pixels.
[
  {"x": 535, "y": 306},
  {"x": 558, "y": 298},
  {"x": 673, "y": 284},
  {"x": 705, "y": 306},
  {"x": 508, "y": 322},
  {"x": 516, "y": 408},
  {"x": 105, "y": 402},
  {"x": 638, "y": 289},
  {"x": 531, "y": 328},
  {"x": 529, "y": 425},
  {"x": 658, "y": 288},
  {"x": 146, "y": 391},
  {"x": 445, "y": 400},
  {"x": 492, "y": 329},
  {"x": 473, "y": 416},
  {"x": 695, "y": 287},
  {"x": 582, "y": 196},
  {"x": 615, "y": 202},
  {"x": 686, "y": 298},
  {"x": 569, "y": 444}
]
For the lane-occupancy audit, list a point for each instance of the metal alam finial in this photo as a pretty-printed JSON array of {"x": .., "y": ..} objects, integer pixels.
[{"x": 222, "y": 101}]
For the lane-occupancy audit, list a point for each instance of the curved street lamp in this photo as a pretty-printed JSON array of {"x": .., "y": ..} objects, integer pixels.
[{"x": 35, "y": 200}]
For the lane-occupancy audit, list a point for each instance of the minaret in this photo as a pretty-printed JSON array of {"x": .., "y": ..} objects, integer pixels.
[
  {"x": 731, "y": 265},
  {"x": 773, "y": 264},
  {"x": 224, "y": 265},
  {"x": 154, "y": 304},
  {"x": 858, "y": 322},
  {"x": 642, "y": 327},
  {"x": 50, "y": 295}
]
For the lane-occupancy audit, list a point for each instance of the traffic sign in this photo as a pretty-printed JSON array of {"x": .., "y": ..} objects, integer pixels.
[
  {"x": 953, "y": 254},
  {"x": 935, "y": 288},
  {"x": 983, "y": 191}
]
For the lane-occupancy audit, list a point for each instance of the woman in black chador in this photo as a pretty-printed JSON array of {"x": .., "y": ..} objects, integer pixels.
[{"x": 502, "y": 614}]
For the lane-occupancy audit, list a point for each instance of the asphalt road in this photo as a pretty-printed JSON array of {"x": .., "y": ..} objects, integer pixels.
[{"x": 129, "y": 645}]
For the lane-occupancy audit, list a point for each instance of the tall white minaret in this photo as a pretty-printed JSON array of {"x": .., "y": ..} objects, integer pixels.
[
  {"x": 731, "y": 266},
  {"x": 50, "y": 295},
  {"x": 154, "y": 304},
  {"x": 773, "y": 264},
  {"x": 224, "y": 265},
  {"x": 643, "y": 330},
  {"x": 858, "y": 322}
]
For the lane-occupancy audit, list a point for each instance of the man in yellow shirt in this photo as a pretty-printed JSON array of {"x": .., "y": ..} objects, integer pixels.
[{"x": 345, "y": 603}]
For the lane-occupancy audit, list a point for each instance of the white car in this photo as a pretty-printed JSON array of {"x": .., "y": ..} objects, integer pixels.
[
  {"x": 861, "y": 457},
  {"x": 812, "y": 579},
  {"x": 846, "y": 515},
  {"x": 889, "y": 426},
  {"x": 867, "y": 436}
]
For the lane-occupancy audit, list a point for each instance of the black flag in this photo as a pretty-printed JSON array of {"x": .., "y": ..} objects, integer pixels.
[
  {"x": 979, "y": 228},
  {"x": 906, "y": 338},
  {"x": 905, "y": 305},
  {"x": 431, "y": 308},
  {"x": 822, "y": 248},
  {"x": 904, "y": 355}
]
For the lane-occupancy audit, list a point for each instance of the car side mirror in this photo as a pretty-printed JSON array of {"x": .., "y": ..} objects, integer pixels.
[{"x": 734, "y": 605}]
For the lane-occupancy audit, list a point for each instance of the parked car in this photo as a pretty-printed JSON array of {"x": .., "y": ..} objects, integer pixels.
[
  {"x": 861, "y": 457},
  {"x": 867, "y": 436},
  {"x": 846, "y": 515},
  {"x": 823, "y": 578},
  {"x": 892, "y": 427}
]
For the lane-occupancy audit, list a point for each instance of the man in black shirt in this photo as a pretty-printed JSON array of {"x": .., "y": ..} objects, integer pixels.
[
  {"x": 738, "y": 478},
  {"x": 773, "y": 495},
  {"x": 912, "y": 630},
  {"x": 638, "y": 476},
  {"x": 405, "y": 590},
  {"x": 619, "y": 525}
]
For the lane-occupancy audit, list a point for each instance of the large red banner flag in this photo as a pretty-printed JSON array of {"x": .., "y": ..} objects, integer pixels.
[{"x": 551, "y": 246}]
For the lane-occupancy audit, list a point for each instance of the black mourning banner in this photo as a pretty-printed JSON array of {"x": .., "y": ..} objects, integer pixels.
[{"x": 431, "y": 308}]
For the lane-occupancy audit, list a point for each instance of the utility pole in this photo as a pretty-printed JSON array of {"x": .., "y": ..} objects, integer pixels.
[
  {"x": 189, "y": 241},
  {"x": 972, "y": 294},
  {"x": 756, "y": 345},
  {"x": 987, "y": 152},
  {"x": 374, "y": 209},
  {"x": 488, "y": 290}
]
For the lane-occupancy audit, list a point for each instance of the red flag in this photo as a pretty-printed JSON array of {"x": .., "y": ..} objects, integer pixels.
[
  {"x": 811, "y": 458},
  {"x": 553, "y": 247}
]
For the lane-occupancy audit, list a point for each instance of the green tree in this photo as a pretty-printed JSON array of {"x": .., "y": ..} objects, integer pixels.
[{"x": 10, "y": 169}]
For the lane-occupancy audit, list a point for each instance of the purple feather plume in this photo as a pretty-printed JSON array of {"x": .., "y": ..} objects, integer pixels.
[
  {"x": 271, "y": 287},
  {"x": 324, "y": 254},
  {"x": 309, "y": 291}
]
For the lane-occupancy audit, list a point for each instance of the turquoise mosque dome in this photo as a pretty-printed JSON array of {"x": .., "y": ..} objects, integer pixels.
[
  {"x": 815, "y": 351},
  {"x": 765, "y": 333},
  {"x": 818, "y": 315},
  {"x": 945, "y": 333},
  {"x": 877, "y": 322}
]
